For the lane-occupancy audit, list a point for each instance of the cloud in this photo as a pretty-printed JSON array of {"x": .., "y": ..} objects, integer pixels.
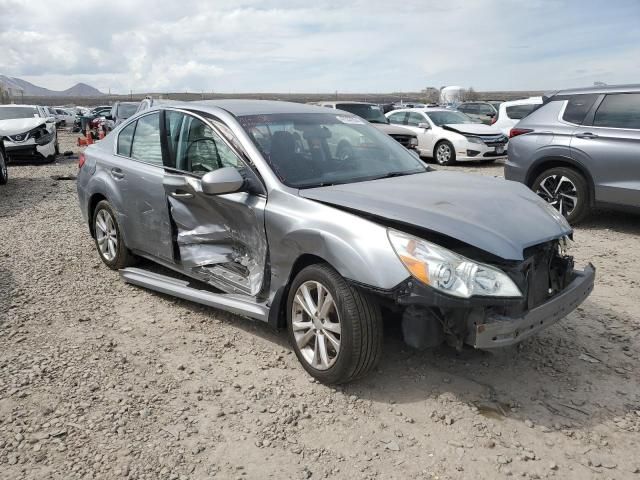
[{"x": 327, "y": 45}]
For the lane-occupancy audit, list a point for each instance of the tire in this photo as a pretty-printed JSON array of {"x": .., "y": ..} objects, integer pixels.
[
  {"x": 121, "y": 257},
  {"x": 4, "y": 171},
  {"x": 439, "y": 153},
  {"x": 572, "y": 184},
  {"x": 57, "y": 146},
  {"x": 360, "y": 327}
]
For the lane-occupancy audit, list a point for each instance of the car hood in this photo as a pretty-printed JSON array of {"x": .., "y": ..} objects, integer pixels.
[
  {"x": 19, "y": 125},
  {"x": 497, "y": 216},
  {"x": 472, "y": 128},
  {"x": 392, "y": 129}
]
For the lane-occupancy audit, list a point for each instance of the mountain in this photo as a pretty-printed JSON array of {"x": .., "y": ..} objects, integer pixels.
[{"x": 17, "y": 86}]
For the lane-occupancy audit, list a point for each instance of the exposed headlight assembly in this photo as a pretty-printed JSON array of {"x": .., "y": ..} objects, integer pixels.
[
  {"x": 413, "y": 142},
  {"x": 449, "y": 272}
]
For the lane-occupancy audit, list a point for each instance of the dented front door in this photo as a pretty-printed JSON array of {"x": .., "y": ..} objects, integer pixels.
[{"x": 218, "y": 238}]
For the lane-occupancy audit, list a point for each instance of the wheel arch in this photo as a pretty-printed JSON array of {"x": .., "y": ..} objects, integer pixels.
[
  {"x": 547, "y": 163},
  {"x": 93, "y": 202}
]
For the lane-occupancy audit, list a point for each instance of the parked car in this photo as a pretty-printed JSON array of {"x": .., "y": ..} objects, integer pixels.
[
  {"x": 373, "y": 114},
  {"x": 4, "y": 160},
  {"x": 29, "y": 132},
  {"x": 83, "y": 122},
  {"x": 66, "y": 116},
  {"x": 249, "y": 199},
  {"x": 581, "y": 149},
  {"x": 449, "y": 136},
  {"x": 510, "y": 113},
  {"x": 119, "y": 113},
  {"x": 482, "y": 112}
]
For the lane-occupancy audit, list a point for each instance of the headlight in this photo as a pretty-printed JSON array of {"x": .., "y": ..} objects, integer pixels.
[
  {"x": 449, "y": 272},
  {"x": 475, "y": 140}
]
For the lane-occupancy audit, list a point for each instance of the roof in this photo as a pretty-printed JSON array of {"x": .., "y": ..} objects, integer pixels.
[
  {"x": 19, "y": 105},
  {"x": 257, "y": 107},
  {"x": 634, "y": 88},
  {"x": 345, "y": 102}
]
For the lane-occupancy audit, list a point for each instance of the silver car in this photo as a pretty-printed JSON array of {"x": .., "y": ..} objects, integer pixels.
[
  {"x": 249, "y": 202},
  {"x": 581, "y": 150}
]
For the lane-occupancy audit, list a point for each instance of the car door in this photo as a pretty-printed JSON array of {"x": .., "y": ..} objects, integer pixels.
[
  {"x": 138, "y": 170},
  {"x": 485, "y": 113},
  {"x": 218, "y": 238},
  {"x": 414, "y": 119},
  {"x": 608, "y": 143}
]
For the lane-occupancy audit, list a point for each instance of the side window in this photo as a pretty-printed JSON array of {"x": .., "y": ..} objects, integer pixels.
[
  {"x": 195, "y": 147},
  {"x": 518, "y": 112},
  {"x": 619, "y": 111},
  {"x": 415, "y": 119},
  {"x": 397, "y": 118},
  {"x": 124, "y": 139},
  {"x": 146, "y": 140},
  {"x": 578, "y": 107},
  {"x": 485, "y": 109},
  {"x": 473, "y": 109}
]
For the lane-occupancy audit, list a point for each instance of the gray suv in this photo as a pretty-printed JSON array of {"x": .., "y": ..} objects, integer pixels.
[
  {"x": 581, "y": 149},
  {"x": 251, "y": 209}
]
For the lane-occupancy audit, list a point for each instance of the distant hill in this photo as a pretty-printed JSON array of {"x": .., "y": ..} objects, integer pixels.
[{"x": 17, "y": 86}]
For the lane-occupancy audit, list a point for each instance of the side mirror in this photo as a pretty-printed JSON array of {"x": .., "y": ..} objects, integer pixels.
[
  {"x": 424, "y": 125},
  {"x": 221, "y": 181}
]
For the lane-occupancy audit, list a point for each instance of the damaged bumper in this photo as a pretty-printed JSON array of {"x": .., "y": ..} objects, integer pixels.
[
  {"x": 29, "y": 150},
  {"x": 475, "y": 320},
  {"x": 502, "y": 331}
]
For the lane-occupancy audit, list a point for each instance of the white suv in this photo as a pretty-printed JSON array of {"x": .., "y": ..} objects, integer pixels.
[
  {"x": 29, "y": 132},
  {"x": 510, "y": 113},
  {"x": 449, "y": 136}
]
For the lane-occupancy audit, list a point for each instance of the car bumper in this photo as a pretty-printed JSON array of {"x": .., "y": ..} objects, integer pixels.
[
  {"x": 29, "y": 150},
  {"x": 473, "y": 152},
  {"x": 501, "y": 331}
]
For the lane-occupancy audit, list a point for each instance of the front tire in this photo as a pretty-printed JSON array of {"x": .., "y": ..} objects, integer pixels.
[
  {"x": 334, "y": 328},
  {"x": 108, "y": 237},
  {"x": 4, "y": 171},
  {"x": 566, "y": 190},
  {"x": 444, "y": 153}
]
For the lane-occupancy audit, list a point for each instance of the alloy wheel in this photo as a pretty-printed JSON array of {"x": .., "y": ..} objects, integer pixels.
[
  {"x": 106, "y": 235},
  {"x": 316, "y": 325},
  {"x": 443, "y": 154},
  {"x": 560, "y": 192}
]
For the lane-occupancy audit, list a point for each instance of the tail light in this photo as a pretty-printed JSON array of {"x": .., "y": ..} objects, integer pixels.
[
  {"x": 514, "y": 132},
  {"x": 494, "y": 119},
  {"x": 81, "y": 160}
]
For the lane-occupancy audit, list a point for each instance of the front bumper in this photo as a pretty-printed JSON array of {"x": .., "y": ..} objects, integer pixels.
[
  {"x": 29, "y": 150},
  {"x": 468, "y": 151},
  {"x": 499, "y": 331}
]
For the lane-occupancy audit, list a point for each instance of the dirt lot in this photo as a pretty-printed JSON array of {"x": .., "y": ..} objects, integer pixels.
[{"x": 99, "y": 379}]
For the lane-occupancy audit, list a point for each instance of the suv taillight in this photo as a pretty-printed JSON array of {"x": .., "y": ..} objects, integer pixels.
[
  {"x": 514, "y": 132},
  {"x": 80, "y": 160}
]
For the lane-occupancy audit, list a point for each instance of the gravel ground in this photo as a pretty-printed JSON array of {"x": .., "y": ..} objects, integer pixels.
[{"x": 99, "y": 379}]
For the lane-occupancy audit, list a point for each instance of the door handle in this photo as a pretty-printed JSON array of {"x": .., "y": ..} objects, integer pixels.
[
  {"x": 586, "y": 135},
  {"x": 117, "y": 173},
  {"x": 181, "y": 194}
]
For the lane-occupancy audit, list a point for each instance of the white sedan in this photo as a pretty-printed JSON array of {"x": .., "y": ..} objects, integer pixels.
[{"x": 449, "y": 136}]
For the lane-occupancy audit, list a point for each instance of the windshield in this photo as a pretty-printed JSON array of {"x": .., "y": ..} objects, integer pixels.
[
  {"x": 10, "y": 113},
  {"x": 317, "y": 149},
  {"x": 125, "y": 110},
  {"x": 371, "y": 113},
  {"x": 444, "y": 118}
]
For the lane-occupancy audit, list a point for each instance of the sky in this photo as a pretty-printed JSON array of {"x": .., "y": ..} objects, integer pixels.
[{"x": 363, "y": 46}]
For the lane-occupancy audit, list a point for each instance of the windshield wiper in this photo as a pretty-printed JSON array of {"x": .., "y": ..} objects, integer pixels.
[{"x": 398, "y": 174}]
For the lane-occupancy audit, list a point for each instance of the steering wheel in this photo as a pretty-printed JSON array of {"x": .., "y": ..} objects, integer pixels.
[{"x": 204, "y": 166}]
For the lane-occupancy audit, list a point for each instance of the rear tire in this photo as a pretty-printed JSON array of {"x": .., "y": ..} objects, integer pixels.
[
  {"x": 108, "y": 237},
  {"x": 444, "y": 153},
  {"x": 4, "y": 171},
  {"x": 355, "y": 322},
  {"x": 564, "y": 188}
]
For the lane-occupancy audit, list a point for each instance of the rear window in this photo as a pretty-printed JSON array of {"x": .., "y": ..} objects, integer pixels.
[
  {"x": 578, "y": 107},
  {"x": 619, "y": 111},
  {"x": 518, "y": 112}
]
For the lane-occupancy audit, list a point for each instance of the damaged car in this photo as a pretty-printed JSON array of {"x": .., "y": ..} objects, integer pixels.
[
  {"x": 29, "y": 133},
  {"x": 448, "y": 136},
  {"x": 249, "y": 208}
]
